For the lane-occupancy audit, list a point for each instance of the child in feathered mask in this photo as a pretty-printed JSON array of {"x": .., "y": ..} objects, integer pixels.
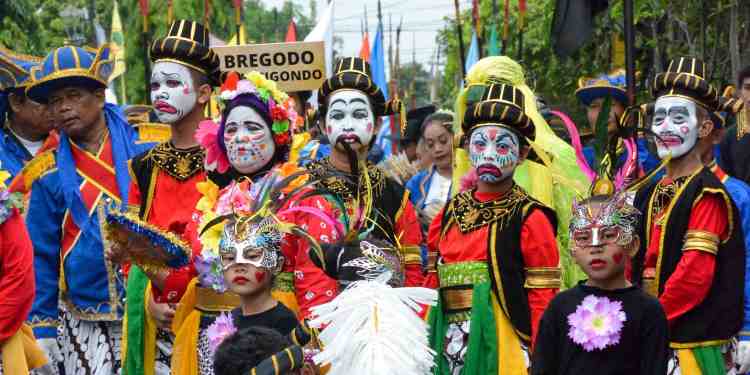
[{"x": 604, "y": 323}]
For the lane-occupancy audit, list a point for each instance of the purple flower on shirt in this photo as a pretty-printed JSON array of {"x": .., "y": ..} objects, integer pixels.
[{"x": 596, "y": 323}]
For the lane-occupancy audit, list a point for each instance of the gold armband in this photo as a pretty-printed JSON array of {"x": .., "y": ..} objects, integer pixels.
[
  {"x": 700, "y": 240},
  {"x": 412, "y": 254},
  {"x": 542, "y": 277}
]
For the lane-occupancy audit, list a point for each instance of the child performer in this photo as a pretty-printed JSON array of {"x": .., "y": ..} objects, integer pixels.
[
  {"x": 497, "y": 261},
  {"x": 604, "y": 324}
]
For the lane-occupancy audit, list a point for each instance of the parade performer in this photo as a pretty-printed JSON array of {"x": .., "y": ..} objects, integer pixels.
[
  {"x": 18, "y": 349},
  {"x": 164, "y": 185},
  {"x": 740, "y": 193},
  {"x": 495, "y": 254},
  {"x": 631, "y": 336},
  {"x": 550, "y": 174},
  {"x": 258, "y": 220},
  {"x": 26, "y": 124},
  {"x": 88, "y": 174},
  {"x": 592, "y": 93},
  {"x": 350, "y": 104},
  {"x": 692, "y": 254},
  {"x": 253, "y": 136}
]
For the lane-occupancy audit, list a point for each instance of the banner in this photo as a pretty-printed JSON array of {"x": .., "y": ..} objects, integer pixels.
[{"x": 298, "y": 66}]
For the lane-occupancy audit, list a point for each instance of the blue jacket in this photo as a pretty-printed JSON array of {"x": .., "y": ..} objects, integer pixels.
[
  {"x": 419, "y": 186},
  {"x": 13, "y": 155},
  {"x": 90, "y": 287},
  {"x": 740, "y": 193}
]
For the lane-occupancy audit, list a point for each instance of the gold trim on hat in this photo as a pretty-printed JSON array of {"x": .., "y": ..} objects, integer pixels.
[
  {"x": 167, "y": 59},
  {"x": 20, "y": 56},
  {"x": 65, "y": 73}
]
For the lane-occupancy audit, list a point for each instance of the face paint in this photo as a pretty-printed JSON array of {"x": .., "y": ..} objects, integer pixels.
[
  {"x": 494, "y": 152},
  {"x": 248, "y": 139},
  {"x": 260, "y": 276},
  {"x": 676, "y": 123},
  {"x": 172, "y": 91},
  {"x": 350, "y": 119}
]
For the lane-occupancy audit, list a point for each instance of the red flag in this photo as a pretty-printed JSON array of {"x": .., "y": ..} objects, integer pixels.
[
  {"x": 475, "y": 17},
  {"x": 291, "y": 32},
  {"x": 206, "y": 13},
  {"x": 237, "y": 11},
  {"x": 521, "y": 13},
  {"x": 364, "y": 50},
  {"x": 144, "y": 12}
]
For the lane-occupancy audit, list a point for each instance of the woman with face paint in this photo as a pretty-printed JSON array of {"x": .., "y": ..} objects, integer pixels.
[
  {"x": 691, "y": 256},
  {"x": 493, "y": 253}
]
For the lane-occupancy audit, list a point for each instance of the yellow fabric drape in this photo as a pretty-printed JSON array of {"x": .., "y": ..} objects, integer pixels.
[
  {"x": 186, "y": 325},
  {"x": 688, "y": 364},
  {"x": 149, "y": 336},
  {"x": 510, "y": 358},
  {"x": 20, "y": 353}
]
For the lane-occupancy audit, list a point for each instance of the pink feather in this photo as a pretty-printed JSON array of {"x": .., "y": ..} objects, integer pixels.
[{"x": 576, "y": 141}]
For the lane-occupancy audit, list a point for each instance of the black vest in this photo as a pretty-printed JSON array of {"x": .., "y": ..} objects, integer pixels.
[
  {"x": 720, "y": 314},
  {"x": 506, "y": 267},
  {"x": 388, "y": 195}
]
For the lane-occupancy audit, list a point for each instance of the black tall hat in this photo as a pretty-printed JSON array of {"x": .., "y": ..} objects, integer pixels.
[
  {"x": 414, "y": 120},
  {"x": 686, "y": 77},
  {"x": 501, "y": 105},
  {"x": 187, "y": 43},
  {"x": 354, "y": 73}
]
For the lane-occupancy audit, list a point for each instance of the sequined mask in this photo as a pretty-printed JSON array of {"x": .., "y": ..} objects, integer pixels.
[
  {"x": 254, "y": 243},
  {"x": 614, "y": 223}
]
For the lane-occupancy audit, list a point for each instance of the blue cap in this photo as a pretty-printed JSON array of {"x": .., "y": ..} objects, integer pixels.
[
  {"x": 15, "y": 69},
  {"x": 70, "y": 66},
  {"x": 612, "y": 85}
]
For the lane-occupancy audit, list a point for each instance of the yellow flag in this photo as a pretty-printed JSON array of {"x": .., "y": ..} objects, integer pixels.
[{"x": 117, "y": 44}]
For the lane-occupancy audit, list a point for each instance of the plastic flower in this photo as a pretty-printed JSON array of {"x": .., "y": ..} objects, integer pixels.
[
  {"x": 208, "y": 137},
  {"x": 596, "y": 323},
  {"x": 211, "y": 237},
  {"x": 210, "y": 194},
  {"x": 219, "y": 330},
  {"x": 278, "y": 113},
  {"x": 210, "y": 272}
]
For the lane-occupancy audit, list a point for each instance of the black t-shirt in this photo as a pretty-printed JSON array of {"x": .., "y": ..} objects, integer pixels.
[
  {"x": 279, "y": 318},
  {"x": 643, "y": 348}
]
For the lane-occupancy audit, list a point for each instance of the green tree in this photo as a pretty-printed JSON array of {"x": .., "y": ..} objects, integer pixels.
[{"x": 36, "y": 26}]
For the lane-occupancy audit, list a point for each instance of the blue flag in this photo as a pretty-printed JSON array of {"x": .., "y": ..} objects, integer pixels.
[
  {"x": 473, "y": 56},
  {"x": 377, "y": 62}
]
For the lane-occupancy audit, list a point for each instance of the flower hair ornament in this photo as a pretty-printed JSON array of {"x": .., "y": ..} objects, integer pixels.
[
  {"x": 246, "y": 220},
  {"x": 597, "y": 323},
  {"x": 255, "y": 91}
]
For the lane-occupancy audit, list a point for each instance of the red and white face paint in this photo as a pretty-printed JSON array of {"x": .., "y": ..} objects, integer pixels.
[
  {"x": 676, "y": 123},
  {"x": 350, "y": 119},
  {"x": 173, "y": 91},
  {"x": 248, "y": 140},
  {"x": 494, "y": 152}
]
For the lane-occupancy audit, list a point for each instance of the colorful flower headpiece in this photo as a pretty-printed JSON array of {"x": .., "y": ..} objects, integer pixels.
[
  {"x": 248, "y": 205},
  {"x": 262, "y": 95}
]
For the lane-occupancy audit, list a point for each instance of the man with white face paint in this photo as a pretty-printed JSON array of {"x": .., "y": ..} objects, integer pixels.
[
  {"x": 350, "y": 106},
  {"x": 184, "y": 71},
  {"x": 692, "y": 254},
  {"x": 492, "y": 245}
]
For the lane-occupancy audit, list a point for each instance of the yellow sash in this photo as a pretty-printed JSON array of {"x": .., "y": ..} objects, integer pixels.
[{"x": 20, "y": 353}]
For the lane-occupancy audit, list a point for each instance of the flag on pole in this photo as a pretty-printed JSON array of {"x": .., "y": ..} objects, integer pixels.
[
  {"x": 473, "y": 56},
  {"x": 506, "y": 20},
  {"x": 323, "y": 31},
  {"x": 475, "y": 17},
  {"x": 170, "y": 11},
  {"x": 377, "y": 61},
  {"x": 207, "y": 14},
  {"x": 521, "y": 13},
  {"x": 143, "y": 4},
  {"x": 364, "y": 49},
  {"x": 494, "y": 45},
  {"x": 117, "y": 44},
  {"x": 233, "y": 40},
  {"x": 291, "y": 32}
]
